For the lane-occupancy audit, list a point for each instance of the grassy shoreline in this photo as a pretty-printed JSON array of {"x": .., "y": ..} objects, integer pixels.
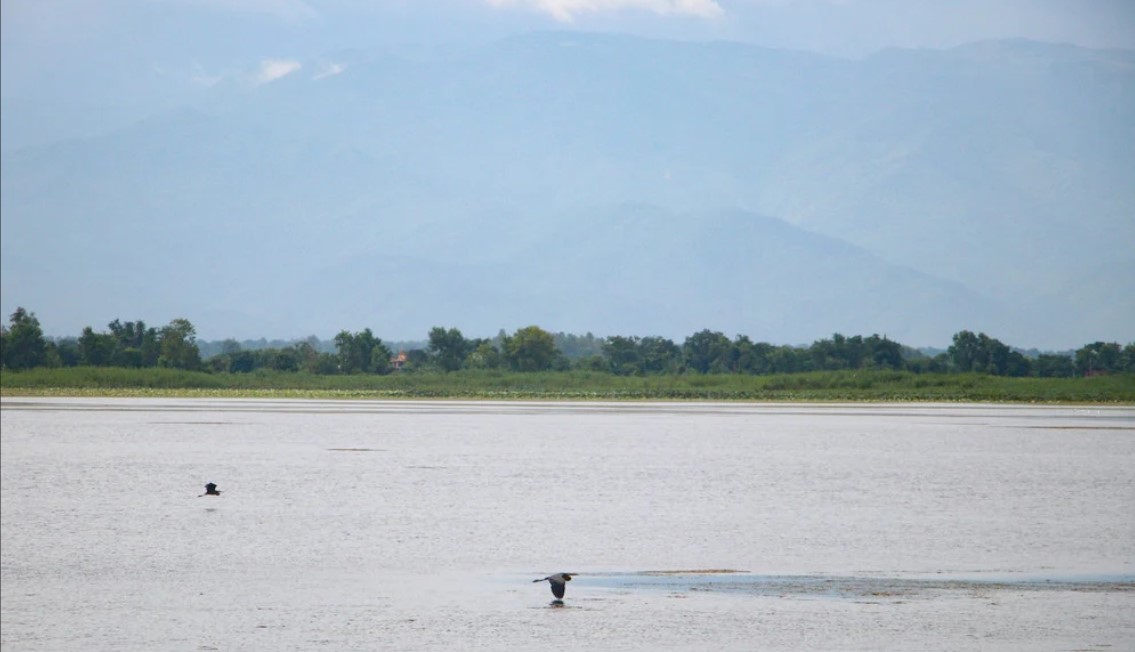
[{"x": 868, "y": 386}]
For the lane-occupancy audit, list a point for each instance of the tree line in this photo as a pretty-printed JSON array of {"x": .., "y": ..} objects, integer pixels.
[{"x": 529, "y": 349}]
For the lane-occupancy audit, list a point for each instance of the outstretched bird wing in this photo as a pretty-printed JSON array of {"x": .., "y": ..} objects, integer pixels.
[{"x": 557, "y": 587}]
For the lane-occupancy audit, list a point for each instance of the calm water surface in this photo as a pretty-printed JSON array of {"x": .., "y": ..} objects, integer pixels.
[{"x": 420, "y": 525}]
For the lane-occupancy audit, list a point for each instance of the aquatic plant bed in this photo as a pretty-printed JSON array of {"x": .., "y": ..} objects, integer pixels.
[{"x": 573, "y": 385}]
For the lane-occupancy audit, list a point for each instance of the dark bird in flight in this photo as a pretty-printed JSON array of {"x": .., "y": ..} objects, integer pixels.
[
  {"x": 211, "y": 490},
  {"x": 559, "y": 583}
]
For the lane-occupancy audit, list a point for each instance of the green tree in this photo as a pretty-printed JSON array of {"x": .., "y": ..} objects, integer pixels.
[
  {"x": 417, "y": 359},
  {"x": 96, "y": 349},
  {"x": 1098, "y": 357},
  {"x": 22, "y": 345},
  {"x": 789, "y": 360},
  {"x": 622, "y": 355},
  {"x": 592, "y": 363},
  {"x": 448, "y": 348},
  {"x": 530, "y": 349},
  {"x": 1016, "y": 365},
  {"x": 241, "y": 362},
  {"x": 286, "y": 359},
  {"x": 484, "y": 356},
  {"x": 1054, "y": 366},
  {"x": 996, "y": 356},
  {"x": 707, "y": 351},
  {"x": 324, "y": 363},
  {"x": 986, "y": 355},
  {"x": 965, "y": 353},
  {"x": 135, "y": 345},
  {"x": 744, "y": 354},
  {"x": 353, "y": 356},
  {"x": 575, "y": 347},
  {"x": 1127, "y": 359},
  {"x": 839, "y": 352},
  {"x": 380, "y": 358},
  {"x": 151, "y": 349},
  {"x": 658, "y": 355},
  {"x": 178, "y": 346},
  {"x": 68, "y": 352},
  {"x": 884, "y": 353},
  {"x": 362, "y": 352},
  {"x": 308, "y": 357},
  {"x": 756, "y": 357}
]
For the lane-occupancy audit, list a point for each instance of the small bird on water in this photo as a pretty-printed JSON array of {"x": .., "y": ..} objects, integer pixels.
[
  {"x": 559, "y": 583},
  {"x": 210, "y": 490}
]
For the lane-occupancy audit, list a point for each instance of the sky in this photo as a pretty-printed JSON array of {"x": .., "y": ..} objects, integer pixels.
[
  {"x": 130, "y": 59},
  {"x": 118, "y": 50}
]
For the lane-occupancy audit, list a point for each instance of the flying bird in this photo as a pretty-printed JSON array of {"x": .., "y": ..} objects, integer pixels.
[
  {"x": 210, "y": 490},
  {"x": 559, "y": 583}
]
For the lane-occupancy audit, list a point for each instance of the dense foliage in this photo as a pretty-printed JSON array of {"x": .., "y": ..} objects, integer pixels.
[{"x": 532, "y": 349}]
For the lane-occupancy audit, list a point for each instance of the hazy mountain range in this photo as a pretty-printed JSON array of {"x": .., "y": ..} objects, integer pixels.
[{"x": 595, "y": 183}]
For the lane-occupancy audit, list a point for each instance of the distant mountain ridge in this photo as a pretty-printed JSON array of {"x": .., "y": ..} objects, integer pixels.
[{"x": 606, "y": 184}]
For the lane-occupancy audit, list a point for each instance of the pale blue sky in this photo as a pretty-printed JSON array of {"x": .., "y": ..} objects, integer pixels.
[
  {"x": 127, "y": 46},
  {"x": 844, "y": 26},
  {"x": 838, "y": 25}
]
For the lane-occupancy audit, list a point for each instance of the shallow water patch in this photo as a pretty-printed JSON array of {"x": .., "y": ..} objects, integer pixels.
[{"x": 843, "y": 587}]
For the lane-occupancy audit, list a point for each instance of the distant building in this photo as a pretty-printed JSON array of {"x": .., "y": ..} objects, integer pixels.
[{"x": 398, "y": 361}]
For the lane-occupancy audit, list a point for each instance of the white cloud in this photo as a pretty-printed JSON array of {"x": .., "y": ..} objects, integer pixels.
[
  {"x": 330, "y": 70},
  {"x": 567, "y": 10},
  {"x": 201, "y": 78},
  {"x": 273, "y": 69}
]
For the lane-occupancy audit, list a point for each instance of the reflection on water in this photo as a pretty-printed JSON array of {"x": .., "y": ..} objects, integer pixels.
[{"x": 419, "y": 525}]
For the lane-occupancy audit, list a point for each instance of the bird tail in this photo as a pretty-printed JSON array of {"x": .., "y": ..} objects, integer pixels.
[{"x": 539, "y": 580}]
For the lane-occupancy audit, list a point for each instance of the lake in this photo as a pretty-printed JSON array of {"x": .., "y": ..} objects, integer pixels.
[{"x": 375, "y": 525}]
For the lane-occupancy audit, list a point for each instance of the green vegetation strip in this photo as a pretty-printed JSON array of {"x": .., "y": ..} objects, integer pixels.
[{"x": 860, "y": 385}]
